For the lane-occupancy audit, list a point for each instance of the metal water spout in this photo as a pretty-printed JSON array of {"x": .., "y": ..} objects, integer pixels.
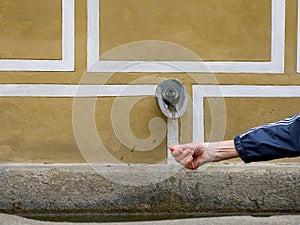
[{"x": 172, "y": 99}]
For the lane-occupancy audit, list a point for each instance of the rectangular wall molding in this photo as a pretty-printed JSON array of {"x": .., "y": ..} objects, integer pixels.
[
  {"x": 67, "y": 61},
  {"x": 234, "y": 91},
  {"x": 56, "y": 90},
  {"x": 276, "y": 65},
  {"x": 298, "y": 39}
]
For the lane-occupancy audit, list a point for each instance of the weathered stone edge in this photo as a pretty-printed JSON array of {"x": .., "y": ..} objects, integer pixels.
[{"x": 102, "y": 189}]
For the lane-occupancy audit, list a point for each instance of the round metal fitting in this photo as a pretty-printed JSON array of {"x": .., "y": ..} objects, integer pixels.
[{"x": 172, "y": 98}]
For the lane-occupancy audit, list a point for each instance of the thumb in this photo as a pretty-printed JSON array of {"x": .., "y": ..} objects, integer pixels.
[{"x": 172, "y": 148}]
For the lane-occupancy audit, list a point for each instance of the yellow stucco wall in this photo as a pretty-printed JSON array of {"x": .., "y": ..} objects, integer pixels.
[
  {"x": 30, "y": 29},
  {"x": 40, "y": 129},
  {"x": 215, "y": 30}
]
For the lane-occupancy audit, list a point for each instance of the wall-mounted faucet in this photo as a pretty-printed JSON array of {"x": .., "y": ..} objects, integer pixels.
[{"x": 172, "y": 99}]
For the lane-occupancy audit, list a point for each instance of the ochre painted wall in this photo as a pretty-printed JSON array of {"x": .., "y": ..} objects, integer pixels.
[
  {"x": 215, "y": 30},
  {"x": 40, "y": 129}
]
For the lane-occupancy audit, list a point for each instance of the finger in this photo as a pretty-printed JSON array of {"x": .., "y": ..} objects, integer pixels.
[
  {"x": 180, "y": 152},
  {"x": 177, "y": 152},
  {"x": 194, "y": 165},
  {"x": 183, "y": 146},
  {"x": 183, "y": 155},
  {"x": 187, "y": 161},
  {"x": 172, "y": 148}
]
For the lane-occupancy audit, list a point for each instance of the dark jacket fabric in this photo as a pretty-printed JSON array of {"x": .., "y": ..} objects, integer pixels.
[{"x": 270, "y": 141}]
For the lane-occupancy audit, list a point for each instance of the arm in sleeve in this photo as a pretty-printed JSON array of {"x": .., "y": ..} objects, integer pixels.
[{"x": 270, "y": 141}]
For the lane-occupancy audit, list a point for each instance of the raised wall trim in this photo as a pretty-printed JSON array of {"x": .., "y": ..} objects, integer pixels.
[
  {"x": 67, "y": 61},
  {"x": 298, "y": 39},
  {"x": 234, "y": 91},
  {"x": 276, "y": 65},
  {"x": 57, "y": 90}
]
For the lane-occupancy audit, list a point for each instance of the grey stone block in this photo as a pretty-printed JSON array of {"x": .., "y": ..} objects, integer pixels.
[{"x": 215, "y": 189}]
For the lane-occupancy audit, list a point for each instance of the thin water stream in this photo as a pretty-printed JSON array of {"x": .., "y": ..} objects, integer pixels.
[{"x": 172, "y": 137}]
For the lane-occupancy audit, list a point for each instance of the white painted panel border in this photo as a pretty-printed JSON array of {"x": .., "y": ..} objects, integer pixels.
[
  {"x": 56, "y": 90},
  {"x": 239, "y": 91},
  {"x": 276, "y": 65},
  {"x": 67, "y": 61},
  {"x": 298, "y": 40}
]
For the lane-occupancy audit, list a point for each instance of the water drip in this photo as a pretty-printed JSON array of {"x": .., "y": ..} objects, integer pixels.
[{"x": 172, "y": 136}]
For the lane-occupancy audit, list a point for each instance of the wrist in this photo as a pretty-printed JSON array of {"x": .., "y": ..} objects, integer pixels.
[{"x": 223, "y": 150}]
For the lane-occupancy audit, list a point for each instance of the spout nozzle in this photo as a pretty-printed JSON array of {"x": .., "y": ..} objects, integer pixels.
[
  {"x": 170, "y": 106},
  {"x": 172, "y": 98}
]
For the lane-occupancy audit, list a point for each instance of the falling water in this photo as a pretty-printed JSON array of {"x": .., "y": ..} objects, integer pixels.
[{"x": 172, "y": 137}]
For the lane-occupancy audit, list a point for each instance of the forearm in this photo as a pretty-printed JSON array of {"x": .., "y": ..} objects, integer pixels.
[{"x": 222, "y": 150}]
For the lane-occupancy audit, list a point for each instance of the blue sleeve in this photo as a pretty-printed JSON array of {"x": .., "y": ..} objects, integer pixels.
[{"x": 270, "y": 141}]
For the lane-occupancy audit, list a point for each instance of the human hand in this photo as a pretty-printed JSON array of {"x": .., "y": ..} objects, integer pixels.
[
  {"x": 192, "y": 155},
  {"x": 196, "y": 154}
]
